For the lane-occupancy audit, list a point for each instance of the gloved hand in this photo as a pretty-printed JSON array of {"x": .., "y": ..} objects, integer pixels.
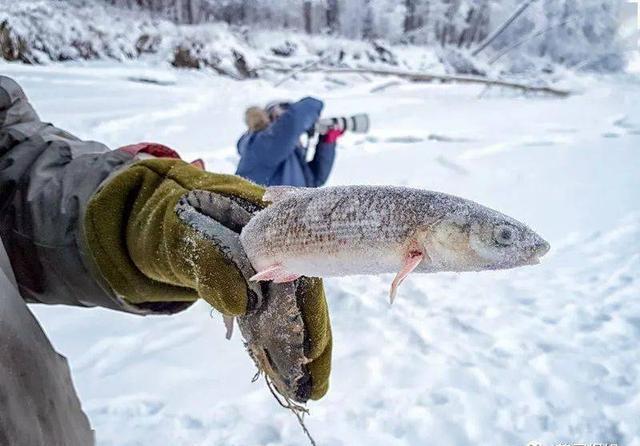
[
  {"x": 331, "y": 137},
  {"x": 164, "y": 231}
]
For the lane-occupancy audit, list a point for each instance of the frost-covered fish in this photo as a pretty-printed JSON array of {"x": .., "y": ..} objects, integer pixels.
[{"x": 347, "y": 230}]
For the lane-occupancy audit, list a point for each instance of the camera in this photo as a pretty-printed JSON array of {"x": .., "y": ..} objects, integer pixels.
[{"x": 357, "y": 124}]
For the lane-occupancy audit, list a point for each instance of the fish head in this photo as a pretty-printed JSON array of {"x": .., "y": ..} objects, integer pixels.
[{"x": 475, "y": 238}]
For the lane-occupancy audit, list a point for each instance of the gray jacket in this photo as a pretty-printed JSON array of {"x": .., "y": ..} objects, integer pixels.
[
  {"x": 38, "y": 404},
  {"x": 46, "y": 178}
]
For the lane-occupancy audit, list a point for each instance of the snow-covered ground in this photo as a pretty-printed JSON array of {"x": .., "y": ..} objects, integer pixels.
[{"x": 548, "y": 354}]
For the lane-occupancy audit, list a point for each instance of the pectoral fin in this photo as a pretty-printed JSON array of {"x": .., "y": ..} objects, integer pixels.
[
  {"x": 411, "y": 261},
  {"x": 286, "y": 277},
  {"x": 228, "y": 323},
  {"x": 276, "y": 273},
  {"x": 267, "y": 274}
]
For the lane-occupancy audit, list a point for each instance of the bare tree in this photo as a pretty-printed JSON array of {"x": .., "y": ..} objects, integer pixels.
[
  {"x": 504, "y": 26},
  {"x": 410, "y": 16},
  {"x": 333, "y": 16},
  {"x": 306, "y": 13},
  {"x": 368, "y": 25}
]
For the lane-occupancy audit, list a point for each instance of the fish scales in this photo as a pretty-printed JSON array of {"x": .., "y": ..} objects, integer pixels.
[{"x": 336, "y": 220}]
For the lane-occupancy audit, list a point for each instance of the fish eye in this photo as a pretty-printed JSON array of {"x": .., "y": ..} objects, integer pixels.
[{"x": 504, "y": 235}]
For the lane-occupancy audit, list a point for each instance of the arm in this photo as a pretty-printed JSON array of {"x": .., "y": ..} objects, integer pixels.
[
  {"x": 278, "y": 141},
  {"x": 46, "y": 177},
  {"x": 38, "y": 399},
  {"x": 91, "y": 227},
  {"x": 322, "y": 162},
  {"x": 63, "y": 209}
]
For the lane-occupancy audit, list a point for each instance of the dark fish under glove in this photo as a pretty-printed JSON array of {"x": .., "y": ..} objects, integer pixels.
[
  {"x": 162, "y": 230},
  {"x": 273, "y": 327}
]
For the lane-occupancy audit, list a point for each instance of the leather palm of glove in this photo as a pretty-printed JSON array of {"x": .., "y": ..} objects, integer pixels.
[{"x": 181, "y": 243}]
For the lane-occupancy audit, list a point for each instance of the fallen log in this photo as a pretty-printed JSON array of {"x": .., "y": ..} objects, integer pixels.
[{"x": 443, "y": 78}]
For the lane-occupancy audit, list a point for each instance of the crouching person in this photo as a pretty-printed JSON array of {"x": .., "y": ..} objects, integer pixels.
[
  {"x": 271, "y": 151},
  {"x": 134, "y": 230}
]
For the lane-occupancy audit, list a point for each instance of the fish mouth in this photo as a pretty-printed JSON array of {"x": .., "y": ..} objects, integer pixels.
[
  {"x": 540, "y": 248},
  {"x": 532, "y": 261}
]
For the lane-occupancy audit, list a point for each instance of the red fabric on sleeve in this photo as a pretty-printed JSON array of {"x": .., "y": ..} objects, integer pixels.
[
  {"x": 155, "y": 149},
  {"x": 159, "y": 151}
]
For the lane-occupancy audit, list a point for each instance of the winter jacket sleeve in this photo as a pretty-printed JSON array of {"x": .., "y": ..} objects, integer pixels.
[
  {"x": 38, "y": 404},
  {"x": 273, "y": 145},
  {"x": 322, "y": 162},
  {"x": 47, "y": 177}
]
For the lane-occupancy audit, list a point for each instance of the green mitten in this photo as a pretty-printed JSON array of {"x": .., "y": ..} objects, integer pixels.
[{"x": 164, "y": 231}]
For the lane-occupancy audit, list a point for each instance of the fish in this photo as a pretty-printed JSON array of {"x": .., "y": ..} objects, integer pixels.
[{"x": 353, "y": 230}]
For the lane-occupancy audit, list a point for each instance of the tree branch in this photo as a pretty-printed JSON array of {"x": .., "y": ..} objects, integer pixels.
[
  {"x": 526, "y": 39},
  {"x": 421, "y": 77},
  {"x": 493, "y": 36}
]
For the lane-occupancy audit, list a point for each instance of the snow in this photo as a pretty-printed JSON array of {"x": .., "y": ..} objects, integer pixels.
[{"x": 547, "y": 353}]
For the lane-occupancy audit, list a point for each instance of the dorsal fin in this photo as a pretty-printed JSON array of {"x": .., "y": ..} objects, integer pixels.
[{"x": 277, "y": 193}]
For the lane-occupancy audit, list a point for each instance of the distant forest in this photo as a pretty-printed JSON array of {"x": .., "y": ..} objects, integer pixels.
[{"x": 458, "y": 23}]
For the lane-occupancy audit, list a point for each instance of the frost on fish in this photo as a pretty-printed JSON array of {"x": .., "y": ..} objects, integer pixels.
[{"x": 348, "y": 230}]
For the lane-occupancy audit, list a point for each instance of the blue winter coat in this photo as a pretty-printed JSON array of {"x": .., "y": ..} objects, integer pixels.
[{"x": 275, "y": 157}]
